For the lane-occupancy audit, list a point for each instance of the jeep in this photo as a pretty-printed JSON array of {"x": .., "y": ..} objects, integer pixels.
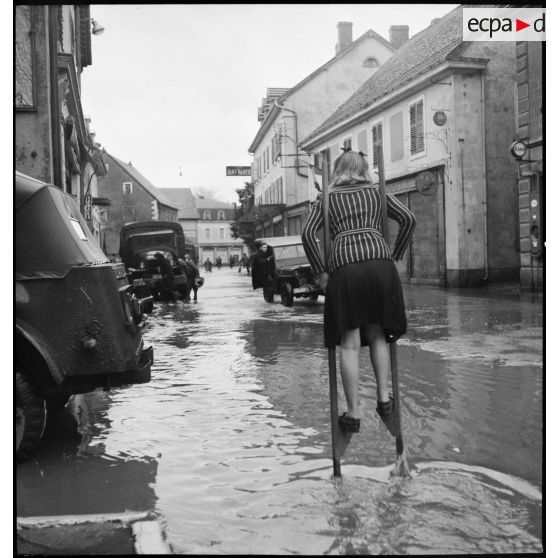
[{"x": 293, "y": 276}]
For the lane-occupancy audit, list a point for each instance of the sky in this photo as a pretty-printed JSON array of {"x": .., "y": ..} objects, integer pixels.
[{"x": 174, "y": 89}]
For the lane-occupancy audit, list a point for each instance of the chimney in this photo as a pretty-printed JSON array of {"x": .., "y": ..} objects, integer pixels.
[
  {"x": 398, "y": 35},
  {"x": 344, "y": 35}
]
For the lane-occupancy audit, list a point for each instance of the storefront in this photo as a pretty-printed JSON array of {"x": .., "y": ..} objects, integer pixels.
[{"x": 423, "y": 194}]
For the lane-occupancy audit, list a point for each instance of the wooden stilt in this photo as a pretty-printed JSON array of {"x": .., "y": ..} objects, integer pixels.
[{"x": 401, "y": 464}]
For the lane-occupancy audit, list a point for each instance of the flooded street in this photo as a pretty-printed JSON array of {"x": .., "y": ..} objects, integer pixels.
[{"x": 230, "y": 441}]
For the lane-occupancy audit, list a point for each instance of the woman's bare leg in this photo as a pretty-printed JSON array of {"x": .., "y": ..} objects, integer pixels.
[
  {"x": 380, "y": 359},
  {"x": 350, "y": 347}
]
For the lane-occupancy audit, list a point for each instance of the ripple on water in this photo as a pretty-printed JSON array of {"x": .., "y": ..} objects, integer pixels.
[{"x": 446, "y": 508}]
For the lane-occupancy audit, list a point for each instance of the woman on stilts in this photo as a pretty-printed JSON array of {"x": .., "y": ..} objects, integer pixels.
[{"x": 364, "y": 303}]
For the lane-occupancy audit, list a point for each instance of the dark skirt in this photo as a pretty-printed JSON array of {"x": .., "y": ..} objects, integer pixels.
[{"x": 364, "y": 293}]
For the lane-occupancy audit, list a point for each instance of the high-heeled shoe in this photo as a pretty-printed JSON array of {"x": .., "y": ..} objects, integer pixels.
[{"x": 349, "y": 424}]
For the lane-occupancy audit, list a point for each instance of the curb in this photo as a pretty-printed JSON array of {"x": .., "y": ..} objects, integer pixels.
[{"x": 113, "y": 533}]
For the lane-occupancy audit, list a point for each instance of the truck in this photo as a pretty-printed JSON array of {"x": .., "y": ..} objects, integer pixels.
[{"x": 78, "y": 323}]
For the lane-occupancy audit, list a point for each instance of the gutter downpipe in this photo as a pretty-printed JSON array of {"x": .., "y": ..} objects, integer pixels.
[
  {"x": 484, "y": 193},
  {"x": 54, "y": 100},
  {"x": 463, "y": 206},
  {"x": 276, "y": 102}
]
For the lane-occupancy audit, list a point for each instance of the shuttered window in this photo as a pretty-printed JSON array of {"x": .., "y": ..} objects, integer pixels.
[
  {"x": 416, "y": 120},
  {"x": 377, "y": 137}
]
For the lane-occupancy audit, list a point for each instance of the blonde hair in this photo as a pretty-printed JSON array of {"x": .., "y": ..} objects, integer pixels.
[{"x": 350, "y": 167}]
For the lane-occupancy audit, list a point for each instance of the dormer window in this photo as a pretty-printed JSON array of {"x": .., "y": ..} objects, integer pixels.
[
  {"x": 370, "y": 62},
  {"x": 207, "y": 214},
  {"x": 221, "y": 215}
]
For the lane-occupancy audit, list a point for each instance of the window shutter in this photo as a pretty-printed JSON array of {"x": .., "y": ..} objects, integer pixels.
[
  {"x": 416, "y": 119},
  {"x": 420, "y": 127},
  {"x": 377, "y": 137}
]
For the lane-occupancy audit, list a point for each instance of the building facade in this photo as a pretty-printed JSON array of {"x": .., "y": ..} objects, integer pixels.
[
  {"x": 53, "y": 142},
  {"x": 214, "y": 232},
  {"x": 132, "y": 198},
  {"x": 441, "y": 109},
  {"x": 279, "y": 168},
  {"x": 530, "y": 165},
  {"x": 188, "y": 215}
]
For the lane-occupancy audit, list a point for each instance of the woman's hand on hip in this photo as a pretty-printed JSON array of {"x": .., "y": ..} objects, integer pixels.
[{"x": 323, "y": 278}]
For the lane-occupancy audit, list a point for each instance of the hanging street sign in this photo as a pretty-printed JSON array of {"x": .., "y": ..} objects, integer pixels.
[{"x": 239, "y": 171}]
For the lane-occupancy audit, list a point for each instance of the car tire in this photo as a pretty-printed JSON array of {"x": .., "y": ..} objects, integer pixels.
[
  {"x": 30, "y": 417},
  {"x": 287, "y": 297},
  {"x": 268, "y": 294}
]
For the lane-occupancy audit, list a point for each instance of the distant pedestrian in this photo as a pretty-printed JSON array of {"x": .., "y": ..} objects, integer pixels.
[
  {"x": 243, "y": 263},
  {"x": 218, "y": 261},
  {"x": 193, "y": 278},
  {"x": 364, "y": 303},
  {"x": 263, "y": 267},
  {"x": 231, "y": 262},
  {"x": 165, "y": 268},
  {"x": 208, "y": 265}
]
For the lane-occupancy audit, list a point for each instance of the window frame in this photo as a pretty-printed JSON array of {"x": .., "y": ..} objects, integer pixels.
[
  {"x": 124, "y": 185},
  {"x": 207, "y": 212},
  {"x": 411, "y": 104}
]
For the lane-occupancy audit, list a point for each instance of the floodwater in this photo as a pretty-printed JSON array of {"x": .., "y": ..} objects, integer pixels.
[{"x": 230, "y": 442}]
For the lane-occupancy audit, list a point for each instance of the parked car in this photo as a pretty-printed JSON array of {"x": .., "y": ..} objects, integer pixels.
[
  {"x": 293, "y": 276},
  {"x": 78, "y": 324},
  {"x": 141, "y": 246}
]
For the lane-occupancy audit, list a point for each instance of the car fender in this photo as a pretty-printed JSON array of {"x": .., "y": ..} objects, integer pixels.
[{"x": 42, "y": 346}]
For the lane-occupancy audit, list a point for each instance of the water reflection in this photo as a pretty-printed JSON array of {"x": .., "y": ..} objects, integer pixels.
[
  {"x": 73, "y": 475},
  {"x": 230, "y": 441}
]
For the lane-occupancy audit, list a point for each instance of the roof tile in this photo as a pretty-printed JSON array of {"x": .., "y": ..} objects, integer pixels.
[
  {"x": 419, "y": 54},
  {"x": 184, "y": 200},
  {"x": 140, "y": 179}
]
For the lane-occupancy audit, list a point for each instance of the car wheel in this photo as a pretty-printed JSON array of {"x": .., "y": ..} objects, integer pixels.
[
  {"x": 30, "y": 417},
  {"x": 268, "y": 294},
  {"x": 287, "y": 296}
]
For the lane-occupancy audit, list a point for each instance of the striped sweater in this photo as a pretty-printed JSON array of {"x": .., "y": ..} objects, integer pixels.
[{"x": 355, "y": 224}]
